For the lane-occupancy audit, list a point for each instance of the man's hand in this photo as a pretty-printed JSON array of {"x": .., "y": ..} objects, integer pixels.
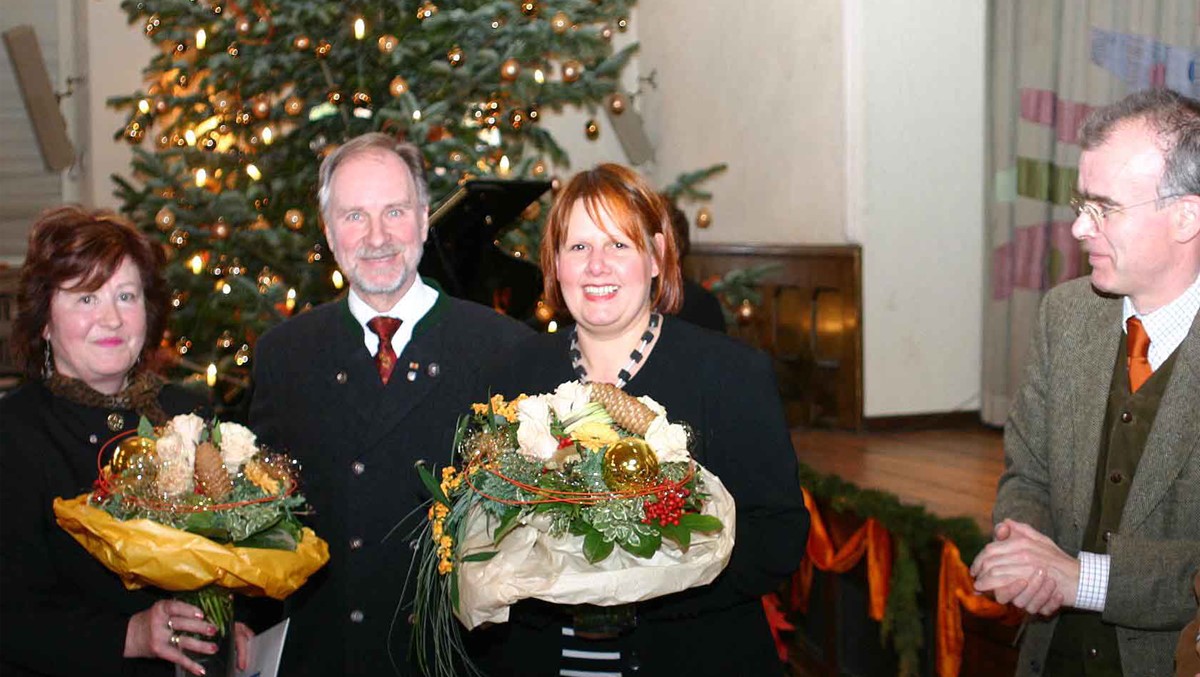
[{"x": 1023, "y": 567}]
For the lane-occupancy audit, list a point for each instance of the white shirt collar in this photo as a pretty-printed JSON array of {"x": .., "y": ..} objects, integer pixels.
[
  {"x": 416, "y": 302},
  {"x": 1168, "y": 326}
]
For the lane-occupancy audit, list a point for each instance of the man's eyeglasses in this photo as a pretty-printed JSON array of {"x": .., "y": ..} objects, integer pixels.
[{"x": 1097, "y": 213}]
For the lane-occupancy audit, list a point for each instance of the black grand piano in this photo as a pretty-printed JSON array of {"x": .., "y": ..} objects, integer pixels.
[{"x": 461, "y": 251}]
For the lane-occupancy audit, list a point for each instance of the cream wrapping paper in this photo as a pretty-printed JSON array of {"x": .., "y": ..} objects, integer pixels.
[
  {"x": 144, "y": 553},
  {"x": 533, "y": 564}
]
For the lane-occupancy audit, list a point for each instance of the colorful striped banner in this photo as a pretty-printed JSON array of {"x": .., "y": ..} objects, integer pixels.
[
  {"x": 1043, "y": 107},
  {"x": 1038, "y": 257},
  {"x": 1045, "y": 181}
]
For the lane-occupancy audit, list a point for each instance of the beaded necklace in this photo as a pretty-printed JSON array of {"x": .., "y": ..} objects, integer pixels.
[{"x": 636, "y": 356}]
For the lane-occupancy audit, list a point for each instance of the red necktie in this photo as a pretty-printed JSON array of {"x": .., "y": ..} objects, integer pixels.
[
  {"x": 1138, "y": 344},
  {"x": 385, "y": 358}
]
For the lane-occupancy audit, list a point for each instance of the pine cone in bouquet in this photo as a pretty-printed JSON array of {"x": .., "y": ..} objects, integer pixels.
[
  {"x": 211, "y": 476},
  {"x": 626, "y": 410}
]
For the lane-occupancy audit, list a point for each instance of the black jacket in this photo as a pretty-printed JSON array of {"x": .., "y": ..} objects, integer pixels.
[
  {"x": 61, "y": 611},
  {"x": 318, "y": 397}
]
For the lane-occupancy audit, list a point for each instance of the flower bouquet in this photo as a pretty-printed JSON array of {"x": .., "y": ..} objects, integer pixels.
[
  {"x": 195, "y": 507},
  {"x": 586, "y": 496}
]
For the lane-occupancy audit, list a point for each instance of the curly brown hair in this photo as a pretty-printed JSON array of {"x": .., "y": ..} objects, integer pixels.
[{"x": 73, "y": 244}]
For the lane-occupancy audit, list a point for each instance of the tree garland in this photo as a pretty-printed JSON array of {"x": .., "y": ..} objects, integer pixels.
[{"x": 915, "y": 533}]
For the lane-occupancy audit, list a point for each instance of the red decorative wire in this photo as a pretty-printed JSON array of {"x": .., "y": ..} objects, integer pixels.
[{"x": 104, "y": 488}]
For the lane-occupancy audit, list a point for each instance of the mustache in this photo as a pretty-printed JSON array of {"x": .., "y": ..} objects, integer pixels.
[{"x": 385, "y": 251}]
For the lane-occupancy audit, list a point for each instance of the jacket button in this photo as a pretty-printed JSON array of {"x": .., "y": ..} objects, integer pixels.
[
  {"x": 115, "y": 422},
  {"x": 341, "y": 378},
  {"x": 411, "y": 376},
  {"x": 356, "y": 616},
  {"x": 433, "y": 369},
  {"x": 356, "y": 543},
  {"x": 1126, "y": 417},
  {"x": 358, "y": 467},
  {"x": 1116, "y": 477}
]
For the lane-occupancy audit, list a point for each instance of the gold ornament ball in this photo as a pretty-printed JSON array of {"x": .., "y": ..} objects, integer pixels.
[
  {"x": 323, "y": 48},
  {"x": 704, "y": 218},
  {"x": 630, "y": 465},
  {"x": 606, "y": 33},
  {"x": 294, "y": 219},
  {"x": 532, "y": 212},
  {"x": 560, "y": 23},
  {"x": 398, "y": 86},
  {"x": 133, "y": 453},
  {"x": 387, "y": 43},
  {"x": 232, "y": 50},
  {"x": 178, "y": 238},
  {"x": 555, "y": 185},
  {"x": 180, "y": 48},
  {"x": 164, "y": 219},
  {"x": 539, "y": 168},
  {"x": 592, "y": 129},
  {"x": 617, "y": 103},
  {"x": 361, "y": 99},
  {"x": 510, "y": 69},
  {"x": 571, "y": 70},
  {"x": 745, "y": 311},
  {"x": 225, "y": 340},
  {"x": 220, "y": 230},
  {"x": 260, "y": 223},
  {"x": 242, "y": 117},
  {"x": 178, "y": 298},
  {"x": 426, "y": 11},
  {"x": 533, "y": 114},
  {"x": 302, "y": 43},
  {"x": 223, "y": 101},
  {"x": 293, "y": 106},
  {"x": 516, "y": 119},
  {"x": 456, "y": 56},
  {"x": 243, "y": 26},
  {"x": 260, "y": 107},
  {"x": 623, "y": 24},
  {"x": 529, "y": 8},
  {"x": 152, "y": 24},
  {"x": 334, "y": 97}
]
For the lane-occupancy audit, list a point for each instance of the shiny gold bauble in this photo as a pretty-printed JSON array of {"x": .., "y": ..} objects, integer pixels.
[
  {"x": 225, "y": 340},
  {"x": 606, "y": 33},
  {"x": 164, "y": 219},
  {"x": 560, "y": 23},
  {"x": 260, "y": 223},
  {"x": 630, "y": 465},
  {"x": 571, "y": 70},
  {"x": 529, "y": 8},
  {"x": 704, "y": 218},
  {"x": 302, "y": 43},
  {"x": 592, "y": 129},
  {"x": 334, "y": 97},
  {"x": 323, "y": 48},
  {"x": 260, "y": 107},
  {"x": 617, "y": 103},
  {"x": 293, "y": 106},
  {"x": 243, "y": 26},
  {"x": 178, "y": 238},
  {"x": 517, "y": 119},
  {"x": 152, "y": 24},
  {"x": 426, "y": 11},
  {"x": 456, "y": 56},
  {"x": 532, "y": 212},
  {"x": 220, "y": 230},
  {"x": 387, "y": 43},
  {"x": 232, "y": 49},
  {"x": 133, "y": 453},
  {"x": 510, "y": 69},
  {"x": 294, "y": 219},
  {"x": 178, "y": 298},
  {"x": 533, "y": 114},
  {"x": 361, "y": 99},
  {"x": 623, "y": 24},
  {"x": 222, "y": 102},
  {"x": 398, "y": 86},
  {"x": 539, "y": 168}
]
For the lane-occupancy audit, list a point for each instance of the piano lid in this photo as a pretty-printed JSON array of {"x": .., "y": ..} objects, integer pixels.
[{"x": 461, "y": 254}]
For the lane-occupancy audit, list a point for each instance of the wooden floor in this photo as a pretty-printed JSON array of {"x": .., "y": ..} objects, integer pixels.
[{"x": 952, "y": 473}]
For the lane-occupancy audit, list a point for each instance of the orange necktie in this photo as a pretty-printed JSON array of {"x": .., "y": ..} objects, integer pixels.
[
  {"x": 385, "y": 358},
  {"x": 1138, "y": 344}
]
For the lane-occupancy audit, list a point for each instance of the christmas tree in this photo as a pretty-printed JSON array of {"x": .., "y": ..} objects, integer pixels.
[{"x": 245, "y": 98}]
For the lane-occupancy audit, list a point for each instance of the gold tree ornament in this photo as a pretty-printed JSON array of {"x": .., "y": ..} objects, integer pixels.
[
  {"x": 606, "y": 33},
  {"x": 509, "y": 70},
  {"x": 426, "y": 11},
  {"x": 630, "y": 465},
  {"x": 387, "y": 43},
  {"x": 704, "y": 217},
  {"x": 178, "y": 238},
  {"x": 294, "y": 219},
  {"x": 617, "y": 103},
  {"x": 164, "y": 219},
  {"x": 323, "y": 49},
  {"x": 302, "y": 43},
  {"x": 243, "y": 25},
  {"x": 260, "y": 107},
  {"x": 560, "y": 23},
  {"x": 398, "y": 86},
  {"x": 592, "y": 129},
  {"x": 456, "y": 56},
  {"x": 623, "y": 24},
  {"x": 133, "y": 453},
  {"x": 571, "y": 70},
  {"x": 293, "y": 106},
  {"x": 529, "y": 8}
]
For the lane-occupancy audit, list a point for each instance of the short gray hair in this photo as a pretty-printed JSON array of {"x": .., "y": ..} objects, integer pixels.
[
  {"x": 1174, "y": 118},
  {"x": 372, "y": 142}
]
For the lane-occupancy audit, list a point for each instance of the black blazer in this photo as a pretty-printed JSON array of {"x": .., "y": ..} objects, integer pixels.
[
  {"x": 61, "y": 611},
  {"x": 318, "y": 397},
  {"x": 726, "y": 391}
]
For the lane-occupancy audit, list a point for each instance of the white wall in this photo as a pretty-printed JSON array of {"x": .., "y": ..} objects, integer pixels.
[{"x": 918, "y": 204}]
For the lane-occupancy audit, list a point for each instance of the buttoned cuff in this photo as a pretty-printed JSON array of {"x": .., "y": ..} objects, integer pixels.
[{"x": 1093, "y": 581}]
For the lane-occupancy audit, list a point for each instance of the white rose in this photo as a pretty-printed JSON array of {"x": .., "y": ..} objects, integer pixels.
[
  {"x": 534, "y": 440},
  {"x": 238, "y": 444},
  {"x": 668, "y": 440},
  {"x": 176, "y": 462},
  {"x": 189, "y": 427},
  {"x": 654, "y": 406},
  {"x": 569, "y": 397}
]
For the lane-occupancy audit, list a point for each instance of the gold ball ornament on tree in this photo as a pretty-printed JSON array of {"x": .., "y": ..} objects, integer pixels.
[
  {"x": 293, "y": 106},
  {"x": 592, "y": 129},
  {"x": 529, "y": 8},
  {"x": 509, "y": 70},
  {"x": 243, "y": 26},
  {"x": 233, "y": 50},
  {"x": 152, "y": 24},
  {"x": 571, "y": 70},
  {"x": 456, "y": 57},
  {"x": 134, "y": 453},
  {"x": 398, "y": 86},
  {"x": 533, "y": 114},
  {"x": 335, "y": 97},
  {"x": 517, "y": 119},
  {"x": 178, "y": 298},
  {"x": 560, "y": 23},
  {"x": 426, "y": 11},
  {"x": 260, "y": 107},
  {"x": 323, "y": 49},
  {"x": 294, "y": 219},
  {"x": 539, "y": 168},
  {"x": 220, "y": 230},
  {"x": 387, "y": 43},
  {"x": 361, "y": 99},
  {"x": 623, "y": 24},
  {"x": 704, "y": 217},
  {"x": 606, "y": 33},
  {"x": 164, "y": 219},
  {"x": 532, "y": 212},
  {"x": 630, "y": 465},
  {"x": 617, "y": 103},
  {"x": 302, "y": 43},
  {"x": 222, "y": 102},
  {"x": 178, "y": 238}
]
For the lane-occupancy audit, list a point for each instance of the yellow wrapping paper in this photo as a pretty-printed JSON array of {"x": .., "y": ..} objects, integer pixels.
[
  {"x": 533, "y": 564},
  {"x": 144, "y": 553}
]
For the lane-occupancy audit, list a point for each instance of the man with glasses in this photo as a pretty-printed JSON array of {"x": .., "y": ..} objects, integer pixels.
[{"x": 1098, "y": 511}]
